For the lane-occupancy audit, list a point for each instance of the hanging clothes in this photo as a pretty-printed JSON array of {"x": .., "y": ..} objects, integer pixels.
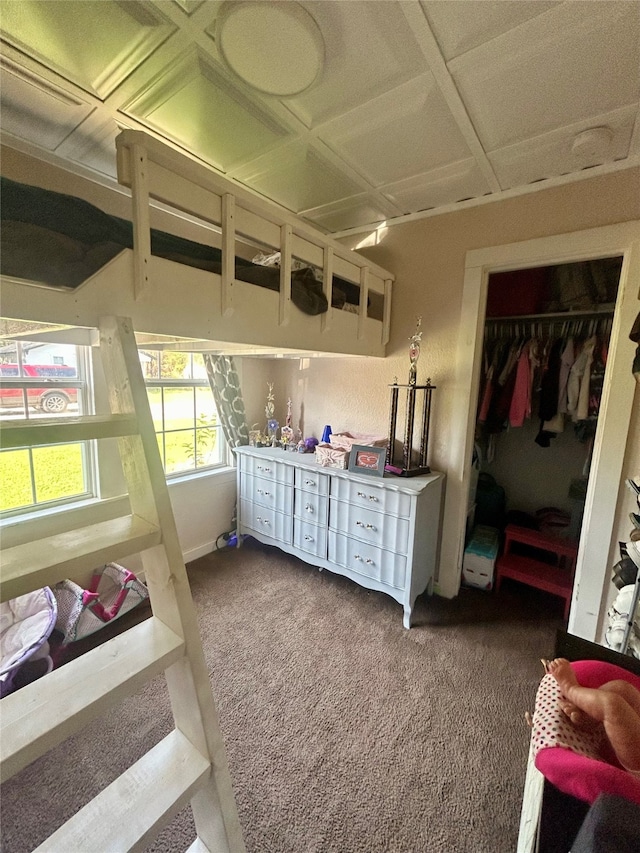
[
  {"x": 578, "y": 384},
  {"x": 520, "y": 407}
]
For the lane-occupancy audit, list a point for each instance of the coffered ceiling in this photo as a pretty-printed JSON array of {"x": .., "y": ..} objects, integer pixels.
[{"x": 416, "y": 106}]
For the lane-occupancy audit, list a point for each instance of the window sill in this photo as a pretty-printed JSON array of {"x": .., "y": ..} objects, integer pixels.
[{"x": 227, "y": 471}]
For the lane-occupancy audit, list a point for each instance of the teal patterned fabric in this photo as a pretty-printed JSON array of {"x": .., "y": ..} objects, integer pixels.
[{"x": 225, "y": 384}]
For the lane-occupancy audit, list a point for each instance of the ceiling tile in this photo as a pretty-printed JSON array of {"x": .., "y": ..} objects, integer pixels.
[
  {"x": 368, "y": 44},
  {"x": 350, "y": 213},
  {"x": 463, "y": 25},
  {"x": 450, "y": 184},
  {"x": 297, "y": 177},
  {"x": 551, "y": 154},
  {"x": 368, "y": 137},
  {"x": 93, "y": 146},
  {"x": 92, "y": 43},
  {"x": 52, "y": 113},
  {"x": 195, "y": 106},
  {"x": 579, "y": 60}
]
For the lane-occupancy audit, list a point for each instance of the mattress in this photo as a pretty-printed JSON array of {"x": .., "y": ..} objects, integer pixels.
[{"x": 60, "y": 240}]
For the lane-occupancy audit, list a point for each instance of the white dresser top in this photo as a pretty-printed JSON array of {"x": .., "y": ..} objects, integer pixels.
[{"x": 307, "y": 461}]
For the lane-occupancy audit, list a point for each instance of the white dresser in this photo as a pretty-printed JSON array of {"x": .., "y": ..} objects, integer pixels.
[{"x": 382, "y": 532}]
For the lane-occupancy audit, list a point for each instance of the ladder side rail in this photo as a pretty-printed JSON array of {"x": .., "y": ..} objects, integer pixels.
[{"x": 165, "y": 573}]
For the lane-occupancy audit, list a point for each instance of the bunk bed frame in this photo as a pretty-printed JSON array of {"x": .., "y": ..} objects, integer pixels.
[
  {"x": 211, "y": 306},
  {"x": 160, "y": 297}
]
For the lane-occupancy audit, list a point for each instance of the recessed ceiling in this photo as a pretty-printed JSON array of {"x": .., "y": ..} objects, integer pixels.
[{"x": 418, "y": 106}]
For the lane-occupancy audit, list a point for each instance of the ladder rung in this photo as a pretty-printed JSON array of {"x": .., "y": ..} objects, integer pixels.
[
  {"x": 129, "y": 813},
  {"x": 44, "y": 562},
  {"x": 36, "y": 432},
  {"x": 39, "y": 716}
]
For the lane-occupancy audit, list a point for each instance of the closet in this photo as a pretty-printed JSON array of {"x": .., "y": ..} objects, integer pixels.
[{"x": 544, "y": 359}]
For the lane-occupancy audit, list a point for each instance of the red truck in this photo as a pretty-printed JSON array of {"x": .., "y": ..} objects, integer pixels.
[{"x": 49, "y": 397}]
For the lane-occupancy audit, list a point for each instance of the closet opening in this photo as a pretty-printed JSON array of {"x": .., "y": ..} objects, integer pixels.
[{"x": 543, "y": 366}]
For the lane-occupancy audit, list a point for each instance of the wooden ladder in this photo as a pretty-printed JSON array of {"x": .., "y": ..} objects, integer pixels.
[{"x": 189, "y": 765}]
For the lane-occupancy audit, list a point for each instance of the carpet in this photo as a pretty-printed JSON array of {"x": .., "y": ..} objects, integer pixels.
[{"x": 344, "y": 732}]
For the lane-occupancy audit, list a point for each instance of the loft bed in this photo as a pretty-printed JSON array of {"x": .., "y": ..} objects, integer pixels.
[{"x": 86, "y": 263}]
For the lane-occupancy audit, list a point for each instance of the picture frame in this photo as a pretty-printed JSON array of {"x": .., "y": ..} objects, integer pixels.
[{"x": 365, "y": 459}]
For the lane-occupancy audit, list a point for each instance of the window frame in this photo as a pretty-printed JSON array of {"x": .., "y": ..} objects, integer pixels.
[
  {"x": 164, "y": 383},
  {"x": 83, "y": 382}
]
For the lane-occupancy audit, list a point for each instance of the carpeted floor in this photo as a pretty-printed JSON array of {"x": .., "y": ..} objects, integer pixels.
[{"x": 344, "y": 732}]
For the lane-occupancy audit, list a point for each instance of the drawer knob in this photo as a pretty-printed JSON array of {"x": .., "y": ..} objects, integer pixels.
[
  {"x": 357, "y": 557},
  {"x": 373, "y": 498},
  {"x": 361, "y": 495},
  {"x": 369, "y": 562},
  {"x": 309, "y": 482},
  {"x": 370, "y": 527},
  {"x": 308, "y": 538},
  {"x": 309, "y": 508},
  {"x": 359, "y": 523}
]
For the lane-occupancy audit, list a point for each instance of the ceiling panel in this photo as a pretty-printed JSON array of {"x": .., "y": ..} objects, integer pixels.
[
  {"x": 368, "y": 136},
  {"x": 298, "y": 177},
  {"x": 370, "y": 49},
  {"x": 456, "y": 182},
  {"x": 355, "y": 211},
  {"x": 194, "y": 105},
  {"x": 419, "y": 105},
  {"x": 464, "y": 25},
  {"x": 558, "y": 152},
  {"x": 573, "y": 63},
  {"x": 91, "y": 43},
  {"x": 32, "y": 107}
]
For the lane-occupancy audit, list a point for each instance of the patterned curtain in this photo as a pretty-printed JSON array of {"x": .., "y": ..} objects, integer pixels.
[{"x": 227, "y": 394}]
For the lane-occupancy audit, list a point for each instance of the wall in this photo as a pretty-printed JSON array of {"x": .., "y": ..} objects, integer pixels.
[{"x": 428, "y": 258}]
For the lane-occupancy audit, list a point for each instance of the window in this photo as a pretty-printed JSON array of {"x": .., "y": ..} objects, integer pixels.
[
  {"x": 184, "y": 414},
  {"x": 43, "y": 380}
]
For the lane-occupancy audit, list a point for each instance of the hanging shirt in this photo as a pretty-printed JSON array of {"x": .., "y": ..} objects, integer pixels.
[
  {"x": 578, "y": 384},
  {"x": 566, "y": 363},
  {"x": 520, "y": 407}
]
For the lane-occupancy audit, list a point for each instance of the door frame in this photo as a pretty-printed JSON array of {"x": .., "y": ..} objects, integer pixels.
[{"x": 597, "y": 537}]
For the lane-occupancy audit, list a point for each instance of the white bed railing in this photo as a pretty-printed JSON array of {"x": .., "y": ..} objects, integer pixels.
[{"x": 155, "y": 171}]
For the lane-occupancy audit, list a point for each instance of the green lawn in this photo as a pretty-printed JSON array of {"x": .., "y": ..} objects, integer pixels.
[{"x": 58, "y": 470}]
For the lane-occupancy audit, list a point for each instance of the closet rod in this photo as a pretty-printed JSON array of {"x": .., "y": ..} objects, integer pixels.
[{"x": 558, "y": 315}]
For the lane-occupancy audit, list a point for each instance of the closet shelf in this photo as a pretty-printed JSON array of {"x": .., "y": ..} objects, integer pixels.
[
  {"x": 36, "y": 432},
  {"x": 42, "y": 714},
  {"x": 127, "y": 816},
  {"x": 602, "y": 311},
  {"x": 45, "y": 562}
]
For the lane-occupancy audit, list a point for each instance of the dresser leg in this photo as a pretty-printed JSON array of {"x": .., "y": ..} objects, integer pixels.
[{"x": 406, "y": 619}]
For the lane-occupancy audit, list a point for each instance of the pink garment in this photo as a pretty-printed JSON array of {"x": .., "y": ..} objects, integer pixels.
[
  {"x": 486, "y": 397},
  {"x": 520, "y": 407}
]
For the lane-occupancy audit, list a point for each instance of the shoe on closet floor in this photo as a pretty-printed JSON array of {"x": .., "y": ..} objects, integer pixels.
[
  {"x": 635, "y": 519},
  {"x": 633, "y": 551}
]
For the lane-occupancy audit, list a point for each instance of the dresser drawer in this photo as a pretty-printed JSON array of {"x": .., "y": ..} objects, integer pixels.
[
  {"x": 385, "y": 531},
  {"x": 310, "y": 538},
  {"x": 265, "y": 521},
  {"x": 267, "y": 493},
  {"x": 376, "y": 563},
  {"x": 310, "y": 507},
  {"x": 309, "y": 481},
  {"x": 266, "y": 469},
  {"x": 375, "y": 497}
]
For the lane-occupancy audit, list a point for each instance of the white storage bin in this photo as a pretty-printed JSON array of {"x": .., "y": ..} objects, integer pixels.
[{"x": 480, "y": 557}]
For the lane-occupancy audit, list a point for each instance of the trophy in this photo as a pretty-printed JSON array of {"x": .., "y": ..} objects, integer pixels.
[{"x": 412, "y": 462}]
